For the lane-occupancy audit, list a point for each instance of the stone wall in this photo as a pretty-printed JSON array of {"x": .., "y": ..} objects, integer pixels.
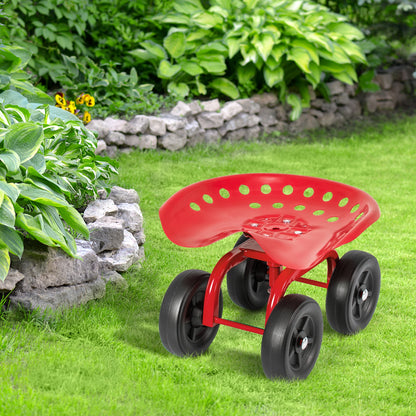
[
  {"x": 208, "y": 122},
  {"x": 47, "y": 278}
]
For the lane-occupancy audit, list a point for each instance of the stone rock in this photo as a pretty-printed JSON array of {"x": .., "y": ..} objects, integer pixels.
[
  {"x": 98, "y": 209},
  {"x": 402, "y": 73},
  {"x": 210, "y": 120},
  {"x": 174, "y": 124},
  {"x": 212, "y": 136},
  {"x": 11, "y": 280},
  {"x": 140, "y": 237},
  {"x": 145, "y": 141},
  {"x": 304, "y": 122},
  {"x": 132, "y": 140},
  {"x": 266, "y": 99},
  {"x": 268, "y": 116},
  {"x": 55, "y": 298},
  {"x": 342, "y": 99},
  {"x": 181, "y": 109},
  {"x": 44, "y": 267},
  {"x": 173, "y": 141},
  {"x": 99, "y": 126},
  {"x": 381, "y": 100},
  {"x": 230, "y": 109},
  {"x": 138, "y": 124},
  {"x": 253, "y": 132},
  {"x": 101, "y": 147},
  {"x": 132, "y": 217},
  {"x": 120, "y": 260},
  {"x": 115, "y": 279},
  {"x": 195, "y": 108},
  {"x": 210, "y": 106},
  {"x": 115, "y": 124},
  {"x": 335, "y": 87},
  {"x": 111, "y": 151},
  {"x": 281, "y": 113},
  {"x": 236, "y": 135},
  {"x": 352, "y": 110},
  {"x": 384, "y": 81},
  {"x": 324, "y": 105},
  {"x": 327, "y": 119},
  {"x": 121, "y": 195},
  {"x": 249, "y": 106},
  {"x": 107, "y": 233},
  {"x": 115, "y": 137},
  {"x": 157, "y": 126},
  {"x": 238, "y": 122}
]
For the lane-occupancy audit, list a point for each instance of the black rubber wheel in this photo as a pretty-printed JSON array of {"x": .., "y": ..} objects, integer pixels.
[
  {"x": 353, "y": 292},
  {"x": 292, "y": 338},
  {"x": 248, "y": 282},
  {"x": 180, "y": 320}
]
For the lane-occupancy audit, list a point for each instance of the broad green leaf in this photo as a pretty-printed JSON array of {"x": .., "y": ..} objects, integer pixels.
[
  {"x": 295, "y": 102},
  {"x": 191, "y": 68},
  {"x": 34, "y": 226},
  {"x": 10, "y": 159},
  {"x": 24, "y": 139},
  {"x": 180, "y": 89},
  {"x": 337, "y": 55},
  {"x": 175, "y": 44},
  {"x": 226, "y": 87},
  {"x": 37, "y": 162},
  {"x": 352, "y": 50},
  {"x": 273, "y": 77},
  {"x": 187, "y": 6},
  {"x": 7, "y": 213},
  {"x": 4, "y": 261},
  {"x": 347, "y": 30},
  {"x": 42, "y": 196},
  {"x": 265, "y": 45},
  {"x": 233, "y": 46},
  {"x": 18, "y": 113},
  {"x": 320, "y": 40},
  {"x": 197, "y": 35},
  {"x": 12, "y": 239},
  {"x": 202, "y": 89},
  {"x": 309, "y": 47},
  {"x": 301, "y": 57},
  {"x": 246, "y": 73},
  {"x": 4, "y": 116},
  {"x": 10, "y": 189},
  {"x": 167, "y": 70},
  {"x": 212, "y": 49},
  {"x": 220, "y": 10},
  {"x": 216, "y": 67},
  {"x": 74, "y": 219},
  {"x": 207, "y": 20},
  {"x": 278, "y": 51},
  {"x": 315, "y": 75},
  {"x": 31, "y": 91},
  {"x": 249, "y": 54},
  {"x": 142, "y": 54},
  {"x": 154, "y": 48}
]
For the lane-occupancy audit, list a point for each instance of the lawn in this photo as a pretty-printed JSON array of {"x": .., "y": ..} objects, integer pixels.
[{"x": 106, "y": 358}]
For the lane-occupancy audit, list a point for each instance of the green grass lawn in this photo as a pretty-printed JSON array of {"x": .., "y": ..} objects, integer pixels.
[{"x": 106, "y": 358}]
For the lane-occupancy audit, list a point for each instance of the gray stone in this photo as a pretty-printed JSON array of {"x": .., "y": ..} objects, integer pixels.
[
  {"x": 384, "y": 81},
  {"x": 174, "y": 124},
  {"x": 342, "y": 99},
  {"x": 304, "y": 122},
  {"x": 115, "y": 124},
  {"x": 238, "y": 122},
  {"x": 324, "y": 105},
  {"x": 147, "y": 141},
  {"x": 266, "y": 99},
  {"x": 111, "y": 151},
  {"x": 55, "y": 298},
  {"x": 268, "y": 116},
  {"x": 132, "y": 140},
  {"x": 115, "y": 137},
  {"x": 254, "y": 132},
  {"x": 327, "y": 119},
  {"x": 281, "y": 113},
  {"x": 138, "y": 124},
  {"x": 11, "y": 280},
  {"x": 140, "y": 237},
  {"x": 195, "y": 108},
  {"x": 335, "y": 87},
  {"x": 194, "y": 133},
  {"x": 132, "y": 217},
  {"x": 236, "y": 135},
  {"x": 121, "y": 195},
  {"x": 231, "y": 109},
  {"x": 157, "y": 126},
  {"x": 120, "y": 260},
  {"x": 181, "y": 109},
  {"x": 211, "y": 136},
  {"x": 45, "y": 267},
  {"x": 351, "y": 89},
  {"x": 173, "y": 141},
  {"x": 101, "y": 147},
  {"x": 115, "y": 279},
  {"x": 107, "y": 233},
  {"x": 98, "y": 209},
  {"x": 99, "y": 126},
  {"x": 249, "y": 106},
  {"x": 210, "y": 106},
  {"x": 210, "y": 120}
]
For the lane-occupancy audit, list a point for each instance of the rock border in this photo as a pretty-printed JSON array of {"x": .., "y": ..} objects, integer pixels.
[{"x": 188, "y": 124}]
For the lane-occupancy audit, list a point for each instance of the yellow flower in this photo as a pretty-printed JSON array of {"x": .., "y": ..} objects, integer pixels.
[
  {"x": 80, "y": 99},
  {"x": 89, "y": 100},
  {"x": 59, "y": 98},
  {"x": 71, "y": 107},
  {"x": 86, "y": 118}
]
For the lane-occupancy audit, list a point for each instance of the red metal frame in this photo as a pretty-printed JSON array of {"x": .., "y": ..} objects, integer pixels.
[{"x": 279, "y": 278}]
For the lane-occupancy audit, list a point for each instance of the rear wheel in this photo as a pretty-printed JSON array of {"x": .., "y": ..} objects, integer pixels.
[
  {"x": 248, "y": 282},
  {"x": 180, "y": 321},
  {"x": 353, "y": 292}
]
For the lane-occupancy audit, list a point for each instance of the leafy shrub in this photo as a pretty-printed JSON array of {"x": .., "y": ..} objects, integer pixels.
[
  {"x": 235, "y": 47},
  {"x": 47, "y": 165}
]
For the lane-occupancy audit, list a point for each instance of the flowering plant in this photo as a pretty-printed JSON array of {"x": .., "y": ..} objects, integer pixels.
[{"x": 71, "y": 106}]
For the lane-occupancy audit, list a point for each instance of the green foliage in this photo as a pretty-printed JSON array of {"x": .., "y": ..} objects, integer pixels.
[
  {"x": 238, "y": 47},
  {"x": 47, "y": 165}
]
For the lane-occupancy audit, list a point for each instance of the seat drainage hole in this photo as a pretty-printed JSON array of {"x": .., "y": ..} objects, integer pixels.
[
  {"x": 318, "y": 212},
  {"x": 333, "y": 219},
  {"x": 277, "y": 205},
  {"x": 207, "y": 199},
  {"x": 255, "y": 205},
  {"x": 343, "y": 202},
  {"x": 224, "y": 193},
  {"x": 327, "y": 197},
  {"x": 308, "y": 192},
  {"x": 355, "y": 208},
  {"x": 288, "y": 190},
  {"x": 194, "y": 206},
  {"x": 266, "y": 189},
  {"x": 359, "y": 216},
  {"x": 299, "y": 207},
  {"x": 244, "y": 189}
]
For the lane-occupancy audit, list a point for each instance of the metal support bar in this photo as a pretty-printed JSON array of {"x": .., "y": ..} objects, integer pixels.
[{"x": 239, "y": 325}]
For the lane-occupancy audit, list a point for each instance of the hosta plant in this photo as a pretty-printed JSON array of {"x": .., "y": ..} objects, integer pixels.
[
  {"x": 47, "y": 163},
  {"x": 238, "y": 47}
]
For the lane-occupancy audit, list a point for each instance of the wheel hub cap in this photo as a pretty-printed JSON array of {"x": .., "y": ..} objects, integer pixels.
[
  {"x": 304, "y": 343},
  {"x": 364, "y": 294}
]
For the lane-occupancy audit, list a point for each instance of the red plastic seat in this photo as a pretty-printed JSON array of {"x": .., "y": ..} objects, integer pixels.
[{"x": 295, "y": 219}]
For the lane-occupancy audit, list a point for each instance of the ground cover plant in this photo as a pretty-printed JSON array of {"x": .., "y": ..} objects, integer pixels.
[{"x": 106, "y": 358}]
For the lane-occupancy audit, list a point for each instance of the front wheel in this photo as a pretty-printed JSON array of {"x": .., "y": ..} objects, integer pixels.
[
  {"x": 180, "y": 320},
  {"x": 292, "y": 338},
  {"x": 353, "y": 292}
]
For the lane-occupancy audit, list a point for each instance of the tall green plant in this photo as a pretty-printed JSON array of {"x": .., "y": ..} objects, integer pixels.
[
  {"x": 237, "y": 47},
  {"x": 47, "y": 161}
]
